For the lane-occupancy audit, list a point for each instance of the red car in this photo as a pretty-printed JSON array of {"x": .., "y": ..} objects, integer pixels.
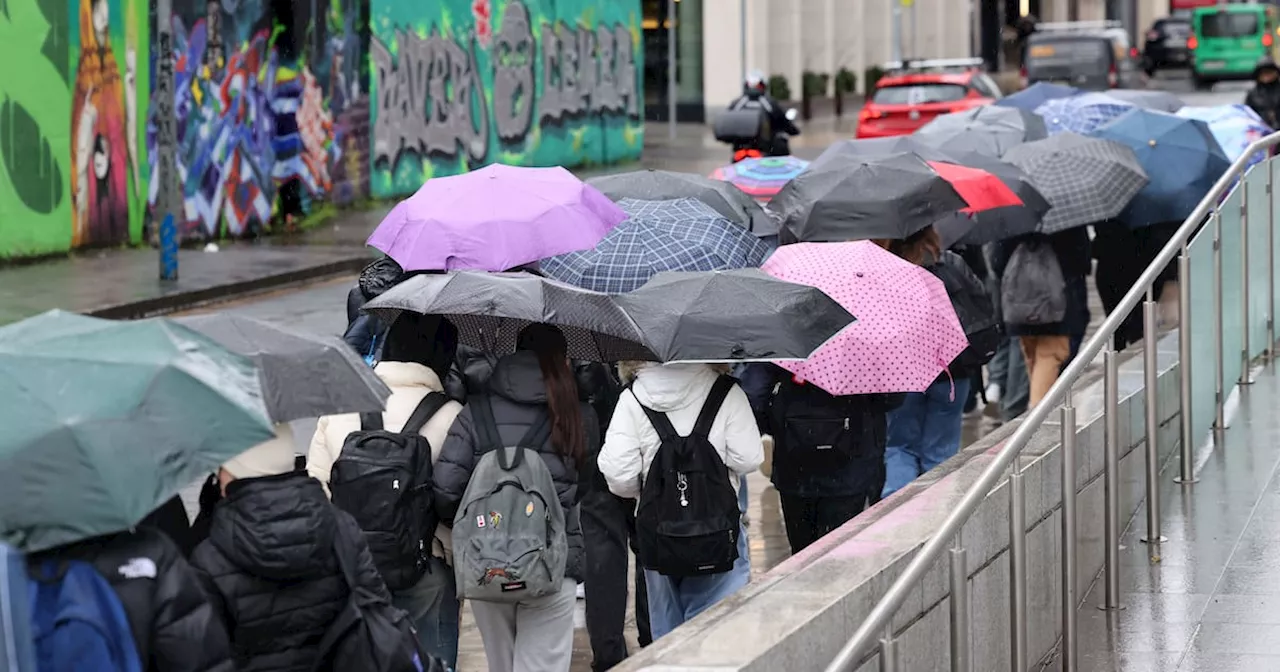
[{"x": 910, "y": 96}]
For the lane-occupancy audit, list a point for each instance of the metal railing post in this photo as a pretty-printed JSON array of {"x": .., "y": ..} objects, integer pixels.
[
  {"x": 1186, "y": 434},
  {"x": 888, "y": 651},
  {"x": 1151, "y": 378},
  {"x": 1069, "y": 601},
  {"x": 1017, "y": 572},
  {"x": 1219, "y": 382},
  {"x": 960, "y": 627},
  {"x": 1245, "y": 379},
  {"x": 1111, "y": 477}
]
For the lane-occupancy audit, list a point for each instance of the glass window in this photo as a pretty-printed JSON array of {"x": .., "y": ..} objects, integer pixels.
[
  {"x": 918, "y": 94},
  {"x": 1229, "y": 24}
]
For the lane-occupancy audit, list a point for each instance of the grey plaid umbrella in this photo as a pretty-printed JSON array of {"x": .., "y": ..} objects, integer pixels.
[
  {"x": 659, "y": 185},
  {"x": 678, "y": 235},
  {"x": 302, "y": 376},
  {"x": 987, "y": 130},
  {"x": 740, "y": 315},
  {"x": 1161, "y": 101},
  {"x": 490, "y": 309},
  {"x": 1086, "y": 180}
]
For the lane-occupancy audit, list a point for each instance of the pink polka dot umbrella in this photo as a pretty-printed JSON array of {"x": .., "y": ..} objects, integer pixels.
[
  {"x": 761, "y": 178},
  {"x": 906, "y": 334}
]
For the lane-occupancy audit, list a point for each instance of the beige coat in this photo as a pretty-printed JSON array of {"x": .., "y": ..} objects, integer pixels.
[{"x": 409, "y": 383}]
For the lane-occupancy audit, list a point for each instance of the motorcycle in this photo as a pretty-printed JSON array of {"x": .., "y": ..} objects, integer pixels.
[{"x": 746, "y": 130}]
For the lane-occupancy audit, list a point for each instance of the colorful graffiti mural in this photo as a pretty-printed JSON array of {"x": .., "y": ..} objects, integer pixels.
[
  {"x": 264, "y": 107},
  {"x": 528, "y": 82}
]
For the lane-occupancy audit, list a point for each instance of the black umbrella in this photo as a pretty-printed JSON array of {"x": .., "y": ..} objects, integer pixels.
[
  {"x": 865, "y": 198},
  {"x": 490, "y": 309},
  {"x": 303, "y": 376},
  {"x": 663, "y": 185},
  {"x": 988, "y": 130},
  {"x": 738, "y": 315}
]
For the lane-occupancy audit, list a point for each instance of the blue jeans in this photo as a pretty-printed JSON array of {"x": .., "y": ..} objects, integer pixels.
[
  {"x": 674, "y": 599},
  {"x": 1009, "y": 371},
  {"x": 742, "y": 495},
  {"x": 433, "y": 607},
  {"x": 923, "y": 432}
]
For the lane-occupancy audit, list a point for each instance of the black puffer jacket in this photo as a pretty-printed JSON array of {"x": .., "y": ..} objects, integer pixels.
[
  {"x": 518, "y": 395},
  {"x": 173, "y": 622},
  {"x": 271, "y": 572}
]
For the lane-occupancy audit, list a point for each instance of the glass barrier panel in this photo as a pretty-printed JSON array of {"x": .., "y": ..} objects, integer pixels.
[
  {"x": 1202, "y": 362},
  {"x": 1232, "y": 289},
  {"x": 1258, "y": 210}
]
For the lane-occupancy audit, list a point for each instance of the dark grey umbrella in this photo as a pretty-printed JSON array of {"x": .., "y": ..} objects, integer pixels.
[
  {"x": 303, "y": 376},
  {"x": 1086, "y": 180},
  {"x": 987, "y": 130},
  {"x": 738, "y": 315},
  {"x": 490, "y": 309},
  {"x": 1161, "y": 101},
  {"x": 861, "y": 198},
  {"x": 663, "y": 185}
]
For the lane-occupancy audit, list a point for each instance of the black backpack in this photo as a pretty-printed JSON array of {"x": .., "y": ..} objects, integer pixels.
[
  {"x": 383, "y": 479},
  {"x": 974, "y": 307},
  {"x": 687, "y": 520}
]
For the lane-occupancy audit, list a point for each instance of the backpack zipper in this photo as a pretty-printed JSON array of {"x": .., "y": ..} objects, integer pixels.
[{"x": 682, "y": 484}]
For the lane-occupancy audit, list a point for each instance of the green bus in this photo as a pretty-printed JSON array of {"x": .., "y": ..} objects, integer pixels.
[{"x": 1227, "y": 41}]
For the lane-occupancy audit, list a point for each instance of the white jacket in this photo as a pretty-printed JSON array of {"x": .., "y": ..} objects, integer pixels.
[
  {"x": 409, "y": 383},
  {"x": 679, "y": 391}
]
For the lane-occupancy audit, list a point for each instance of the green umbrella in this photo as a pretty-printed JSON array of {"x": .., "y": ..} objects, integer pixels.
[{"x": 103, "y": 421}]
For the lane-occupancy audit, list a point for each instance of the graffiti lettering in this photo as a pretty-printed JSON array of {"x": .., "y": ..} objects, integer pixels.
[
  {"x": 587, "y": 71},
  {"x": 513, "y": 92},
  {"x": 430, "y": 102}
]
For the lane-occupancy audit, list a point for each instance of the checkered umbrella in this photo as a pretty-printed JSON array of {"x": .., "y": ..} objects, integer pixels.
[
  {"x": 1086, "y": 180},
  {"x": 1082, "y": 113},
  {"x": 677, "y": 235},
  {"x": 761, "y": 178},
  {"x": 990, "y": 131},
  {"x": 659, "y": 185}
]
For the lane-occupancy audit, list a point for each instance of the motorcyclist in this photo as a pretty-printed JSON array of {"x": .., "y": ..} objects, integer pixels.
[
  {"x": 755, "y": 95},
  {"x": 1264, "y": 97}
]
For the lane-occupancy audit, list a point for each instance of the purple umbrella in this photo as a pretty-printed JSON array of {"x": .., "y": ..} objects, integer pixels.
[{"x": 495, "y": 218}]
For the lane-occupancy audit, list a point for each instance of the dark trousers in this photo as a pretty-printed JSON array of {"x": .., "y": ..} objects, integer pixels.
[
  {"x": 809, "y": 519},
  {"x": 607, "y": 524}
]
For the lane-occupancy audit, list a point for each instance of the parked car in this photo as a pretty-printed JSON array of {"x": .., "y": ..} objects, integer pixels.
[
  {"x": 1092, "y": 55},
  {"x": 1227, "y": 41},
  {"x": 910, "y": 95},
  {"x": 1166, "y": 45}
]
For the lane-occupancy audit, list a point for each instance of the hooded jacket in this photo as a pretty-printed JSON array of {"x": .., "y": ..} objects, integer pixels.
[
  {"x": 518, "y": 395},
  {"x": 678, "y": 390},
  {"x": 174, "y": 624},
  {"x": 271, "y": 572},
  {"x": 1265, "y": 98},
  {"x": 409, "y": 383}
]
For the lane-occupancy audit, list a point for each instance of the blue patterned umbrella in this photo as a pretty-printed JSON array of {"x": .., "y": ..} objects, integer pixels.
[
  {"x": 1083, "y": 113},
  {"x": 1037, "y": 94},
  {"x": 1235, "y": 127},
  {"x": 1179, "y": 155},
  {"x": 677, "y": 235}
]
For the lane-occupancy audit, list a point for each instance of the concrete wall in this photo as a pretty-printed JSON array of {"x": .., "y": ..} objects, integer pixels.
[{"x": 797, "y": 616}]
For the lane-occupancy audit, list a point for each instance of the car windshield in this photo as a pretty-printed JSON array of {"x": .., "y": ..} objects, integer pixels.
[
  {"x": 1229, "y": 24},
  {"x": 1081, "y": 56},
  {"x": 918, "y": 94}
]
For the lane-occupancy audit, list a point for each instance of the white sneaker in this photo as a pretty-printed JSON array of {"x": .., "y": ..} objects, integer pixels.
[
  {"x": 992, "y": 393},
  {"x": 582, "y": 591}
]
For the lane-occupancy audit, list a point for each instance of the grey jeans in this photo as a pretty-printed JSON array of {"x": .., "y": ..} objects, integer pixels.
[{"x": 529, "y": 636}]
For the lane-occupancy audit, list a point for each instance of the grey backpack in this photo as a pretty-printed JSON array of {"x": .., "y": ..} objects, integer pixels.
[
  {"x": 1033, "y": 290},
  {"x": 509, "y": 540}
]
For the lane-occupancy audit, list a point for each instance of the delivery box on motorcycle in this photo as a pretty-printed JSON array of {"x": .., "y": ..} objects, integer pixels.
[{"x": 742, "y": 126}]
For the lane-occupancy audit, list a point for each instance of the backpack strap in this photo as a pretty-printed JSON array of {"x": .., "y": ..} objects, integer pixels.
[
  {"x": 711, "y": 407},
  {"x": 426, "y": 409},
  {"x": 661, "y": 423},
  {"x": 485, "y": 426},
  {"x": 371, "y": 422}
]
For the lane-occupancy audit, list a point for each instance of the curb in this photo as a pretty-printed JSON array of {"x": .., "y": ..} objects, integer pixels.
[{"x": 197, "y": 298}]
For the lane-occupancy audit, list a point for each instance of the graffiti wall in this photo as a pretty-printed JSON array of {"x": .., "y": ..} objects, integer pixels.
[
  {"x": 271, "y": 110},
  {"x": 460, "y": 83}
]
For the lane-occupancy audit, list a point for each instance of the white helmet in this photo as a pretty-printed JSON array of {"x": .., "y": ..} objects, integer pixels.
[{"x": 756, "y": 80}]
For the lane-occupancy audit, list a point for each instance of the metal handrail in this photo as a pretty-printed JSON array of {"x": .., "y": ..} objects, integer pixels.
[{"x": 882, "y": 614}]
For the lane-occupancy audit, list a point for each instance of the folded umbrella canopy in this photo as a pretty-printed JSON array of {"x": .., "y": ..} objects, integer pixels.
[
  {"x": 104, "y": 421},
  {"x": 660, "y": 185},
  {"x": 1180, "y": 156},
  {"x": 857, "y": 198},
  {"x": 761, "y": 178},
  {"x": 303, "y": 376},
  {"x": 740, "y": 315},
  {"x": 986, "y": 130},
  {"x": 1036, "y": 95},
  {"x": 1081, "y": 113},
  {"x": 907, "y": 330},
  {"x": 1160, "y": 101},
  {"x": 490, "y": 309},
  {"x": 1086, "y": 180},
  {"x": 679, "y": 235},
  {"x": 493, "y": 219},
  {"x": 1235, "y": 127}
]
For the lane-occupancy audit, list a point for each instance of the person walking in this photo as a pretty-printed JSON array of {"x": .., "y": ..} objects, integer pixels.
[
  {"x": 416, "y": 351},
  {"x": 681, "y": 393},
  {"x": 270, "y": 565},
  {"x": 534, "y": 383}
]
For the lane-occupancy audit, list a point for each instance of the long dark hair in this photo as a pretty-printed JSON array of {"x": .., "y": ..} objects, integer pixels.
[{"x": 567, "y": 431}]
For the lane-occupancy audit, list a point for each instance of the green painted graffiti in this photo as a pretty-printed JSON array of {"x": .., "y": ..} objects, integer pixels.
[
  {"x": 34, "y": 172},
  {"x": 526, "y": 82}
]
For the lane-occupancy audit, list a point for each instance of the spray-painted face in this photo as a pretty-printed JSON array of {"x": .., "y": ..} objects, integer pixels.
[
  {"x": 513, "y": 48},
  {"x": 101, "y": 157},
  {"x": 101, "y": 18}
]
